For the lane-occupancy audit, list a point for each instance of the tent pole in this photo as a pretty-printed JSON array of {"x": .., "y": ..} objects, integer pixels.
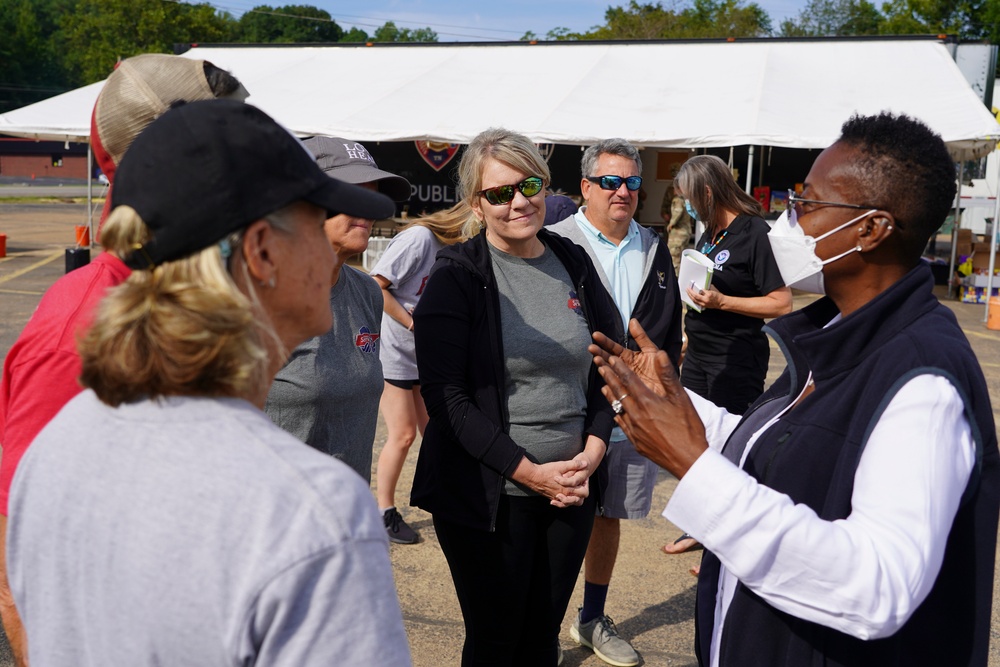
[
  {"x": 954, "y": 230},
  {"x": 90, "y": 192},
  {"x": 993, "y": 242},
  {"x": 750, "y": 171},
  {"x": 760, "y": 170}
]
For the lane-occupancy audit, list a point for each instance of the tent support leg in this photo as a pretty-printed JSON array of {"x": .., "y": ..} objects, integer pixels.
[
  {"x": 954, "y": 234},
  {"x": 90, "y": 192},
  {"x": 993, "y": 242}
]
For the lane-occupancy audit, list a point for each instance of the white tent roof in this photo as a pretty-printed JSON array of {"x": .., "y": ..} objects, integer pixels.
[{"x": 681, "y": 94}]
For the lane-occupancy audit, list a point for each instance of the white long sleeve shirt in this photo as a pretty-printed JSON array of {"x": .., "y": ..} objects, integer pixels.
[{"x": 864, "y": 575}]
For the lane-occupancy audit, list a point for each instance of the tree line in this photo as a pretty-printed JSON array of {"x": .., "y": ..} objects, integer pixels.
[
  {"x": 51, "y": 46},
  {"x": 971, "y": 20}
]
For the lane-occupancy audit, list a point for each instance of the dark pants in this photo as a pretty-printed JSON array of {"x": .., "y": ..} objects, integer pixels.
[
  {"x": 514, "y": 584},
  {"x": 731, "y": 387}
]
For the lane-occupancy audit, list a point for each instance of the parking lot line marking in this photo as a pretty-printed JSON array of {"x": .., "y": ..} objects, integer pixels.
[
  {"x": 21, "y": 291},
  {"x": 32, "y": 267},
  {"x": 990, "y": 336}
]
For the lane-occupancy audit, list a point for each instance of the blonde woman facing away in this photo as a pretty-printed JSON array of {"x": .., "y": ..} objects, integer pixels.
[
  {"x": 402, "y": 273},
  {"x": 160, "y": 517}
]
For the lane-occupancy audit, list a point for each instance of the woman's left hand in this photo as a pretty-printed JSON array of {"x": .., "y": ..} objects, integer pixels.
[
  {"x": 576, "y": 479},
  {"x": 572, "y": 496},
  {"x": 707, "y": 298}
]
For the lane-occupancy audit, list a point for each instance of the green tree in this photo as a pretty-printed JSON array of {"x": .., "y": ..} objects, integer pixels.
[
  {"x": 355, "y": 35},
  {"x": 287, "y": 25},
  {"x": 27, "y": 72},
  {"x": 828, "y": 18},
  {"x": 30, "y": 66},
  {"x": 390, "y": 33},
  {"x": 703, "y": 19},
  {"x": 96, "y": 33}
]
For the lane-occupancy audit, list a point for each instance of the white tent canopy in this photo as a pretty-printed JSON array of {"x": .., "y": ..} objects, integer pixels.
[{"x": 789, "y": 93}]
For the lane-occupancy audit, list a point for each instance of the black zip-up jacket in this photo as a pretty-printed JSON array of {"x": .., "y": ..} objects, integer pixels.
[
  {"x": 658, "y": 306},
  {"x": 466, "y": 452}
]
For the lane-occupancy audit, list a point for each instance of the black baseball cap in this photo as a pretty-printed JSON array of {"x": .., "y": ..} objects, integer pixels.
[{"x": 206, "y": 169}]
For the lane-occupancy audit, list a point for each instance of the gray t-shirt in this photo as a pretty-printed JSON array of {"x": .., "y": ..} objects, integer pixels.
[
  {"x": 327, "y": 394},
  {"x": 545, "y": 338},
  {"x": 193, "y": 531},
  {"x": 406, "y": 264}
]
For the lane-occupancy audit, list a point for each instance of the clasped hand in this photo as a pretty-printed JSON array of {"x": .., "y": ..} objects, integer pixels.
[
  {"x": 564, "y": 483},
  {"x": 657, "y": 415}
]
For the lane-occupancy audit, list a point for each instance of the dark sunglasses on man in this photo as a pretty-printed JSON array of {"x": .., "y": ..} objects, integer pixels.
[{"x": 633, "y": 183}]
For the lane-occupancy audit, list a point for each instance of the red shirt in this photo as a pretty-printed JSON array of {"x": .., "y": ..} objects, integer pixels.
[{"x": 41, "y": 371}]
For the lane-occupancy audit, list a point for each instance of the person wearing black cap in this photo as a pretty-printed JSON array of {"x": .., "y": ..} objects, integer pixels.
[
  {"x": 40, "y": 371},
  {"x": 161, "y": 517},
  {"x": 327, "y": 395}
]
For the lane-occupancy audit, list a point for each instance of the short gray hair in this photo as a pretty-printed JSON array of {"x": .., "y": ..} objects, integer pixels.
[{"x": 611, "y": 147}]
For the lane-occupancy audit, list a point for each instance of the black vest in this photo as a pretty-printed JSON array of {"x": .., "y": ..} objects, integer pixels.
[{"x": 811, "y": 455}]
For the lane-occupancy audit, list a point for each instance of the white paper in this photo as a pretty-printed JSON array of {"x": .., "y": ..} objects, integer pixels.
[{"x": 696, "y": 273}]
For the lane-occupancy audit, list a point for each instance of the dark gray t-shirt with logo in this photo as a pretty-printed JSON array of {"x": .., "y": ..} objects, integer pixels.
[
  {"x": 545, "y": 338},
  {"x": 327, "y": 393}
]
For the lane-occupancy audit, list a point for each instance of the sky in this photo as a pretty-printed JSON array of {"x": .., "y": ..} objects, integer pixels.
[{"x": 477, "y": 20}]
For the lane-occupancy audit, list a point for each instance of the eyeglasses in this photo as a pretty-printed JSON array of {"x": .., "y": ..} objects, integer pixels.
[
  {"x": 503, "y": 194},
  {"x": 795, "y": 203},
  {"x": 633, "y": 183}
]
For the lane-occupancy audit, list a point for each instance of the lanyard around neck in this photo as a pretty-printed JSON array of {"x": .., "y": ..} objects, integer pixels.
[{"x": 705, "y": 248}]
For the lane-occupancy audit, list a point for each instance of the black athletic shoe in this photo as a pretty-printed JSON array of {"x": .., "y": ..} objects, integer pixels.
[{"x": 397, "y": 529}]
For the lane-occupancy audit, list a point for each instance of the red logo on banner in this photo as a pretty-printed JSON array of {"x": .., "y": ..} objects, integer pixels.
[{"x": 436, "y": 153}]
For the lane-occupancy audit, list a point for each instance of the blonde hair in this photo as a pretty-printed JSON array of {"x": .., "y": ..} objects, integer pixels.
[
  {"x": 123, "y": 231},
  {"x": 184, "y": 328},
  {"x": 449, "y": 225},
  {"x": 497, "y": 143}
]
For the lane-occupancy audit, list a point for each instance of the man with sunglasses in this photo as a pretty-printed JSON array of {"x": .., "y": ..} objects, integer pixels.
[{"x": 636, "y": 269}]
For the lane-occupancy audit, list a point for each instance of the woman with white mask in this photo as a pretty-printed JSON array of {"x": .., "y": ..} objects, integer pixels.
[
  {"x": 850, "y": 517},
  {"x": 795, "y": 252}
]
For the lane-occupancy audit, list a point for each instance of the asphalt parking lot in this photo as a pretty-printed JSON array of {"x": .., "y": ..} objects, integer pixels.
[{"x": 652, "y": 595}]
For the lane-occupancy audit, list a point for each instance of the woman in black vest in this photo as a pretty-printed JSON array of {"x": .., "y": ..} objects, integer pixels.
[{"x": 850, "y": 517}]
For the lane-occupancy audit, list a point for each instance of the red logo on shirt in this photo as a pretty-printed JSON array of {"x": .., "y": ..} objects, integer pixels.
[
  {"x": 365, "y": 340},
  {"x": 574, "y": 303},
  {"x": 423, "y": 284}
]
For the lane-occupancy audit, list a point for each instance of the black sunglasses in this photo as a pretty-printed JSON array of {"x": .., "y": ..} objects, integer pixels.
[
  {"x": 503, "y": 194},
  {"x": 633, "y": 183}
]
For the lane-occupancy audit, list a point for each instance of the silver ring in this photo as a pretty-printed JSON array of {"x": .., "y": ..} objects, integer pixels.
[{"x": 617, "y": 406}]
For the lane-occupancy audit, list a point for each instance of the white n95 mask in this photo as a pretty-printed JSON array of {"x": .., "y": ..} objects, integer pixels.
[{"x": 795, "y": 253}]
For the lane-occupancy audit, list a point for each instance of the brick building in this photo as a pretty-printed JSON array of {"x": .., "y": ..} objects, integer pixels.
[{"x": 26, "y": 158}]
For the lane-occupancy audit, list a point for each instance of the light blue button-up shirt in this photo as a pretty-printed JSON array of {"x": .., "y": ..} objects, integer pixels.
[{"x": 622, "y": 265}]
